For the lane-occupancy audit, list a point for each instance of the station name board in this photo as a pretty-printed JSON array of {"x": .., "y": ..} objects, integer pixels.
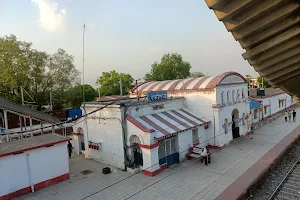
[{"x": 157, "y": 96}]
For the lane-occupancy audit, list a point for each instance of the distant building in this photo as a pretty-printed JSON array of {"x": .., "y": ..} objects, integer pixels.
[
  {"x": 272, "y": 101},
  {"x": 140, "y": 134},
  {"x": 165, "y": 119},
  {"x": 222, "y": 99}
]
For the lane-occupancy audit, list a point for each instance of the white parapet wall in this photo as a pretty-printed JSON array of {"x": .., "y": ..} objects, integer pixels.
[{"x": 32, "y": 168}]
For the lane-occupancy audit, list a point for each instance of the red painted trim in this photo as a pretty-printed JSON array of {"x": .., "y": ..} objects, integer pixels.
[
  {"x": 226, "y": 74},
  {"x": 148, "y": 173},
  {"x": 138, "y": 125},
  {"x": 196, "y": 144},
  {"x": 37, "y": 187},
  {"x": 213, "y": 147},
  {"x": 36, "y": 147},
  {"x": 164, "y": 166},
  {"x": 144, "y": 146}
]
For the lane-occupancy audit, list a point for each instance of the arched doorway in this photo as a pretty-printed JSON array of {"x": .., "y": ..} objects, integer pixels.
[
  {"x": 235, "y": 124},
  {"x": 81, "y": 139},
  {"x": 137, "y": 153}
]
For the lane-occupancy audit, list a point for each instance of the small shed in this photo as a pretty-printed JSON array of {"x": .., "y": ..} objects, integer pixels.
[
  {"x": 30, "y": 164},
  {"x": 256, "y": 111}
]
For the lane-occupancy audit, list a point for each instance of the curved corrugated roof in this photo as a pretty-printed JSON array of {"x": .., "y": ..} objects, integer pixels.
[
  {"x": 269, "y": 31},
  {"x": 201, "y": 83}
]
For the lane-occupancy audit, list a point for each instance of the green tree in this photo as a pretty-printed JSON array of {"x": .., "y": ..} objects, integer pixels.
[
  {"x": 171, "y": 66},
  {"x": 14, "y": 64},
  {"x": 74, "y": 96},
  {"x": 265, "y": 83},
  {"x": 37, "y": 72},
  {"x": 197, "y": 74},
  {"x": 110, "y": 85}
]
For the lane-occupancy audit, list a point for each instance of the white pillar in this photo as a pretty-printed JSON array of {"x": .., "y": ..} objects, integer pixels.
[
  {"x": 30, "y": 122},
  {"x": 5, "y": 120},
  {"x": 6, "y": 123},
  {"x": 150, "y": 159},
  {"x": 25, "y": 124},
  {"x": 42, "y": 131},
  {"x": 20, "y": 121}
]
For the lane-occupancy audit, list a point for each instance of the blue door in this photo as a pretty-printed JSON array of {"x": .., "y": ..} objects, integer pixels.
[{"x": 168, "y": 152}]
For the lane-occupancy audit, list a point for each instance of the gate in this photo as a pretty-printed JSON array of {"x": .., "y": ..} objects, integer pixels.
[
  {"x": 167, "y": 152},
  {"x": 137, "y": 155}
]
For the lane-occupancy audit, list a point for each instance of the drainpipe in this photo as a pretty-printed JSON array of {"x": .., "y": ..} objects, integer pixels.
[
  {"x": 124, "y": 135},
  {"x": 29, "y": 173}
]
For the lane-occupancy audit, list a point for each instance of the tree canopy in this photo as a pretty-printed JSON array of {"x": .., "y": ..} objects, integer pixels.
[
  {"x": 74, "y": 96},
  {"x": 171, "y": 66},
  {"x": 110, "y": 85},
  {"x": 37, "y": 72},
  {"x": 265, "y": 83},
  {"x": 197, "y": 74}
]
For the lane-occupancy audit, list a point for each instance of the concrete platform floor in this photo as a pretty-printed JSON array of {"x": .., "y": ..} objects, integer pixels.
[{"x": 187, "y": 180}]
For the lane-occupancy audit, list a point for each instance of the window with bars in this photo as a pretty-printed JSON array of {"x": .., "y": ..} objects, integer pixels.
[{"x": 228, "y": 98}]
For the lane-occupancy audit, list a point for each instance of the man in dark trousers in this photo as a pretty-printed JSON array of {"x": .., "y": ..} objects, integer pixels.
[
  {"x": 294, "y": 115},
  {"x": 70, "y": 148}
]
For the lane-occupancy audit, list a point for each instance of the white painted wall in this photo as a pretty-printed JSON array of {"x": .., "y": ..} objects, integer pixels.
[
  {"x": 104, "y": 126},
  {"x": 45, "y": 164},
  {"x": 185, "y": 141},
  {"x": 274, "y": 105}
]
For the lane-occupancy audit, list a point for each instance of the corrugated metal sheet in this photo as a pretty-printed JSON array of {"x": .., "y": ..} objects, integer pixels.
[
  {"x": 269, "y": 31},
  {"x": 11, "y": 106}
]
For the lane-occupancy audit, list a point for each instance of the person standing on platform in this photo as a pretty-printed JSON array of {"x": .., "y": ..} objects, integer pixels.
[
  {"x": 290, "y": 115},
  {"x": 294, "y": 116},
  {"x": 204, "y": 155},
  {"x": 286, "y": 115},
  {"x": 70, "y": 148}
]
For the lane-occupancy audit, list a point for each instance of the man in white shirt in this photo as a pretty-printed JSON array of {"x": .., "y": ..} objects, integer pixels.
[{"x": 204, "y": 155}]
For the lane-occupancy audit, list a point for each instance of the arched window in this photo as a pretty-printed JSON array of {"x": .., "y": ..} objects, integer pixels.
[
  {"x": 226, "y": 125},
  {"x": 243, "y": 94},
  {"x": 233, "y": 95},
  {"x": 222, "y": 97},
  {"x": 238, "y": 94},
  {"x": 228, "y": 98}
]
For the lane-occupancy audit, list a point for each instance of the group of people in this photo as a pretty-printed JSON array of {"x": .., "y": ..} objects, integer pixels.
[{"x": 289, "y": 114}]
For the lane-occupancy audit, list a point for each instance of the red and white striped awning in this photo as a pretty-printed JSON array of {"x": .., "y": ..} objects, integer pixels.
[{"x": 168, "y": 123}]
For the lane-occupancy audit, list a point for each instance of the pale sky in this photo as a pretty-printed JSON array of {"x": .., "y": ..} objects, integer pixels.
[{"x": 125, "y": 35}]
